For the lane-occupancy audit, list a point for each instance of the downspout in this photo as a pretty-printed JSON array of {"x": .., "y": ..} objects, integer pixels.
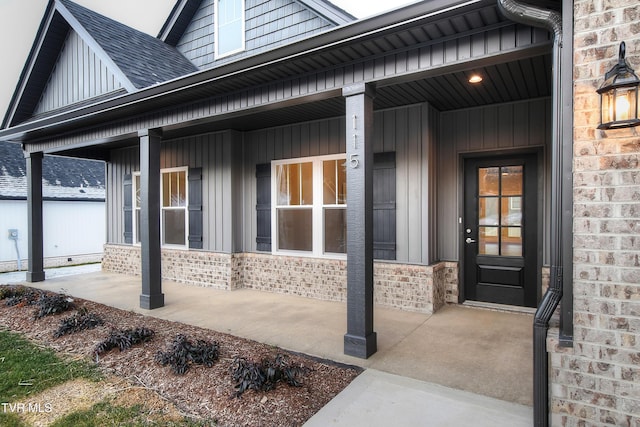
[{"x": 552, "y": 21}]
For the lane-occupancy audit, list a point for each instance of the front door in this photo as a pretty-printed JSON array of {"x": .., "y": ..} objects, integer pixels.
[{"x": 500, "y": 230}]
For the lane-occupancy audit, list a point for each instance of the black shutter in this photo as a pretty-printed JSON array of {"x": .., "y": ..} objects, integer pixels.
[
  {"x": 195, "y": 208},
  {"x": 127, "y": 193},
  {"x": 263, "y": 207},
  {"x": 384, "y": 206}
]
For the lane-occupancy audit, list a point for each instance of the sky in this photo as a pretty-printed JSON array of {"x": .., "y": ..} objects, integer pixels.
[{"x": 19, "y": 21}]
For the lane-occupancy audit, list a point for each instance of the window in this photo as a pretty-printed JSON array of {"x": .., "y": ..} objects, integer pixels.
[
  {"x": 309, "y": 213},
  {"x": 229, "y": 27},
  {"x": 173, "y": 207}
]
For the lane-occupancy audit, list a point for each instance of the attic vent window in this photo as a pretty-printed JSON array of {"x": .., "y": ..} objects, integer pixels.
[{"x": 229, "y": 27}]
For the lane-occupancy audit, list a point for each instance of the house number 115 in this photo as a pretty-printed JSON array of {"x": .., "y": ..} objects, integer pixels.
[{"x": 353, "y": 161}]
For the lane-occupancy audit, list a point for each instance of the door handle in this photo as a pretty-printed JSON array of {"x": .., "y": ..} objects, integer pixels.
[{"x": 470, "y": 240}]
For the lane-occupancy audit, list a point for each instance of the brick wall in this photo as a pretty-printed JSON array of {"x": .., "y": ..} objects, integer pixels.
[
  {"x": 597, "y": 381},
  {"x": 198, "y": 268},
  {"x": 408, "y": 287}
]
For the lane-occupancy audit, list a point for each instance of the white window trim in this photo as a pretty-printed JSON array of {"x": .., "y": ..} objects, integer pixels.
[
  {"x": 186, "y": 208},
  {"x": 217, "y": 54},
  {"x": 317, "y": 208}
]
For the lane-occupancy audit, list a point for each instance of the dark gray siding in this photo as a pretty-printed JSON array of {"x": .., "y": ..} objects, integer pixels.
[
  {"x": 269, "y": 23},
  {"x": 427, "y": 170},
  {"x": 499, "y": 127},
  {"x": 78, "y": 75},
  {"x": 406, "y": 131},
  {"x": 216, "y": 154}
]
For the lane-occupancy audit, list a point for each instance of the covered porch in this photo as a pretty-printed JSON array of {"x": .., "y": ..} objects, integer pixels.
[{"x": 482, "y": 351}]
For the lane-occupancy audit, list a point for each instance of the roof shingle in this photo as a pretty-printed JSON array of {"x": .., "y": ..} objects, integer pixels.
[
  {"x": 62, "y": 177},
  {"x": 144, "y": 59}
]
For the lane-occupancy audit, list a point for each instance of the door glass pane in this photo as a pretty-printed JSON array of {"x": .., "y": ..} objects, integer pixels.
[
  {"x": 488, "y": 243},
  {"x": 335, "y": 230},
  {"x": 489, "y": 181},
  {"x": 295, "y": 229},
  {"x": 511, "y": 212},
  {"x": 511, "y": 241},
  {"x": 488, "y": 213},
  {"x": 173, "y": 229},
  {"x": 511, "y": 180}
]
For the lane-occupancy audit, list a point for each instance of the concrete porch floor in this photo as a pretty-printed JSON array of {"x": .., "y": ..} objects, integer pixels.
[{"x": 478, "y": 350}]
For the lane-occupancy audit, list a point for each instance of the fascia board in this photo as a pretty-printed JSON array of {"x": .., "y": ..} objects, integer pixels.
[
  {"x": 324, "y": 9},
  {"x": 29, "y": 65}
]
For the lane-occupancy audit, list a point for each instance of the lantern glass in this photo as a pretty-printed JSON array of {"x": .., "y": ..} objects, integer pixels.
[
  {"x": 619, "y": 95},
  {"x": 619, "y": 104}
]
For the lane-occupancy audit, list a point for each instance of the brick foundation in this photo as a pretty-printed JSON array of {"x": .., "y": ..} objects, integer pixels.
[{"x": 408, "y": 287}]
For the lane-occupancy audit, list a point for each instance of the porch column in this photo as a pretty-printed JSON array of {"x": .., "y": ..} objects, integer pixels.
[
  {"x": 35, "y": 272},
  {"x": 360, "y": 339},
  {"x": 151, "y": 268}
]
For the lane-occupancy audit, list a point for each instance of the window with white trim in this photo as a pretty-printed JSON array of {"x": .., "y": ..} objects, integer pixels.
[
  {"x": 229, "y": 27},
  {"x": 174, "y": 216},
  {"x": 310, "y": 205}
]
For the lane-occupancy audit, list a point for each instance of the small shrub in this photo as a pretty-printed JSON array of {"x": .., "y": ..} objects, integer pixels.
[
  {"x": 183, "y": 353},
  {"x": 80, "y": 321},
  {"x": 124, "y": 339},
  {"x": 5, "y": 291},
  {"x": 264, "y": 376},
  {"x": 20, "y": 296},
  {"x": 49, "y": 304}
]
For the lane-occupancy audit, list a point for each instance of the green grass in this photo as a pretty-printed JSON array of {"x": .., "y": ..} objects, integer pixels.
[
  {"x": 10, "y": 420},
  {"x": 106, "y": 414},
  {"x": 26, "y": 369}
]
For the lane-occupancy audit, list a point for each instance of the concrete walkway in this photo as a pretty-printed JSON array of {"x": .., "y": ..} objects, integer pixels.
[{"x": 479, "y": 359}]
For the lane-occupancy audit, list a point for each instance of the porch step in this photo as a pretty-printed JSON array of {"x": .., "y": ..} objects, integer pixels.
[{"x": 500, "y": 307}]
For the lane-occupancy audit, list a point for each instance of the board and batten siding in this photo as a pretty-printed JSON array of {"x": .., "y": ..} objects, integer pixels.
[
  {"x": 219, "y": 156},
  {"x": 407, "y": 131},
  {"x": 267, "y": 24},
  {"x": 495, "y": 128},
  {"x": 434, "y": 58},
  {"x": 79, "y": 75}
]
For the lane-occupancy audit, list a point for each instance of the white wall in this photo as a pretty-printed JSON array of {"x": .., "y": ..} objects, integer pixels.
[{"x": 70, "y": 228}]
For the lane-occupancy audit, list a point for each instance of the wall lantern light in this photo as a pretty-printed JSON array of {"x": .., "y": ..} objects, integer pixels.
[{"x": 619, "y": 96}]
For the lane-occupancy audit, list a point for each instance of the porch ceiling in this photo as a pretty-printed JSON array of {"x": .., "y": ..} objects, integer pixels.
[{"x": 505, "y": 82}]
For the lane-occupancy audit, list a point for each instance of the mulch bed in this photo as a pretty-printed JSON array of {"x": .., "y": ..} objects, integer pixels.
[{"x": 204, "y": 393}]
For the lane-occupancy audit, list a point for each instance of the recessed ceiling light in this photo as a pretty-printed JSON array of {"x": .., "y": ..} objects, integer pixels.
[{"x": 475, "y": 78}]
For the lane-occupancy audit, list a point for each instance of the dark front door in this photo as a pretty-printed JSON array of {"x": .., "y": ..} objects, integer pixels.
[{"x": 500, "y": 230}]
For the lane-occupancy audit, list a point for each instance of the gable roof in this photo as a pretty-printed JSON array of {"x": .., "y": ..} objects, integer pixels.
[
  {"x": 63, "y": 178},
  {"x": 184, "y": 11},
  {"x": 137, "y": 59}
]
